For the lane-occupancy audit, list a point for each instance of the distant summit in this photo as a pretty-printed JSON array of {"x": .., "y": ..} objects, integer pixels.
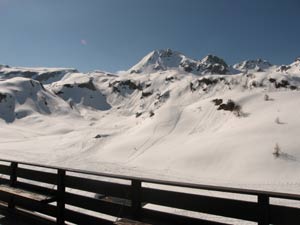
[
  {"x": 161, "y": 60},
  {"x": 294, "y": 67},
  {"x": 296, "y": 63},
  {"x": 257, "y": 65},
  {"x": 212, "y": 65}
]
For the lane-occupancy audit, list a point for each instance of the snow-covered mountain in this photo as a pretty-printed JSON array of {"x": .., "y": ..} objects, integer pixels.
[
  {"x": 162, "y": 60},
  {"x": 253, "y": 65},
  {"x": 44, "y": 75},
  {"x": 169, "y": 117},
  {"x": 21, "y": 97},
  {"x": 79, "y": 89},
  {"x": 293, "y": 68},
  {"x": 212, "y": 65}
]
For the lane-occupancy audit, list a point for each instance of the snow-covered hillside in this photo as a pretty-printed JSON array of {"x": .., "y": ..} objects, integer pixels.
[
  {"x": 168, "y": 117},
  {"x": 21, "y": 97}
]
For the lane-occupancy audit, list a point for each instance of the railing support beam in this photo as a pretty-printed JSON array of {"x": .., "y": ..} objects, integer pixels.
[
  {"x": 12, "y": 183},
  {"x": 61, "y": 188},
  {"x": 263, "y": 205},
  {"x": 136, "y": 203}
]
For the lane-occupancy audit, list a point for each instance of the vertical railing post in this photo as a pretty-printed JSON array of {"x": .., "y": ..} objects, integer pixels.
[
  {"x": 136, "y": 202},
  {"x": 61, "y": 188},
  {"x": 263, "y": 209},
  {"x": 13, "y": 174},
  {"x": 12, "y": 183}
]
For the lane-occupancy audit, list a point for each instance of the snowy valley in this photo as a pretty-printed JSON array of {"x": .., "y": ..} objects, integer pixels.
[{"x": 168, "y": 117}]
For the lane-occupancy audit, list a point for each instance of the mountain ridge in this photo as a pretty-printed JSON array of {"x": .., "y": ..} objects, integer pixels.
[{"x": 158, "y": 60}]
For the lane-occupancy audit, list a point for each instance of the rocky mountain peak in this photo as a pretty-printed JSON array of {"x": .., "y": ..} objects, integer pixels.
[
  {"x": 297, "y": 59},
  {"x": 168, "y": 59},
  {"x": 256, "y": 64},
  {"x": 212, "y": 59},
  {"x": 163, "y": 59},
  {"x": 212, "y": 64}
]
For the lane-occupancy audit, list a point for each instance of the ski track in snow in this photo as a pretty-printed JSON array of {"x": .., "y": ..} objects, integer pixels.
[{"x": 141, "y": 149}]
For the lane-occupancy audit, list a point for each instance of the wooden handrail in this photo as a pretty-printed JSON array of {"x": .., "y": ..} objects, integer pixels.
[
  {"x": 136, "y": 194},
  {"x": 244, "y": 191}
]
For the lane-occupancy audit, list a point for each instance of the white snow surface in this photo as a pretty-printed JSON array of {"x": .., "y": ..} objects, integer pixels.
[{"x": 159, "y": 124}]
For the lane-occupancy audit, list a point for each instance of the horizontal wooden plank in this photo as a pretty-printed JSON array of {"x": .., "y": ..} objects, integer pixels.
[
  {"x": 36, "y": 188},
  {"x": 97, "y": 205},
  {"x": 30, "y": 204},
  {"x": 26, "y": 217},
  {"x": 25, "y": 194},
  {"x": 124, "y": 221},
  {"x": 4, "y": 169},
  {"x": 96, "y": 186},
  {"x": 35, "y": 175},
  {"x": 284, "y": 215},
  {"x": 163, "y": 218},
  {"x": 84, "y": 219},
  {"x": 212, "y": 205}
]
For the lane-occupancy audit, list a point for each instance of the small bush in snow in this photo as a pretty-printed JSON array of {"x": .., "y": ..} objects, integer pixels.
[
  {"x": 98, "y": 136},
  {"x": 217, "y": 101},
  {"x": 237, "y": 110},
  {"x": 276, "y": 151},
  {"x": 267, "y": 98},
  {"x": 277, "y": 120},
  {"x": 151, "y": 113},
  {"x": 138, "y": 114}
]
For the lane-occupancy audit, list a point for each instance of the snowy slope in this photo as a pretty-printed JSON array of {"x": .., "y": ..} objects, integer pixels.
[
  {"x": 79, "y": 89},
  {"x": 162, "y": 122},
  {"x": 21, "y": 97}
]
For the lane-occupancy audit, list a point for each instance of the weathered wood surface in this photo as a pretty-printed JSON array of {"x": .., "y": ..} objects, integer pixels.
[
  {"x": 25, "y": 194},
  {"x": 130, "y": 222}
]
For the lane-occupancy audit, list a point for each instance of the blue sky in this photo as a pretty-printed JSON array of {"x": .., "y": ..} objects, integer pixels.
[{"x": 113, "y": 35}]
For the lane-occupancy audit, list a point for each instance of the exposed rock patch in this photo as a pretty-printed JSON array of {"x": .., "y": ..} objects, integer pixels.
[
  {"x": 218, "y": 101},
  {"x": 2, "y": 97},
  {"x": 146, "y": 93},
  {"x": 89, "y": 85},
  {"x": 127, "y": 86},
  {"x": 229, "y": 106}
]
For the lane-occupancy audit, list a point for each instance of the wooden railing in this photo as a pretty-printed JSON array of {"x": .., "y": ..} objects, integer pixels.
[{"x": 74, "y": 194}]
